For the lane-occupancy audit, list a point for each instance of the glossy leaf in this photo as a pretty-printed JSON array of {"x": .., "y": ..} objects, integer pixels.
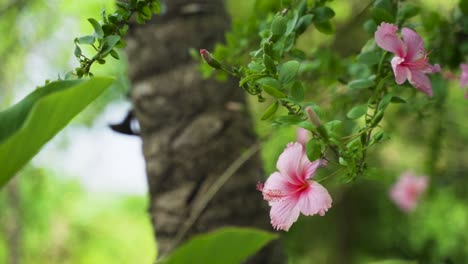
[
  {"x": 322, "y": 14},
  {"x": 398, "y": 100},
  {"x": 28, "y": 125},
  {"x": 272, "y": 87},
  {"x": 325, "y": 27},
  {"x": 288, "y": 71},
  {"x": 224, "y": 246},
  {"x": 288, "y": 119},
  {"x": 385, "y": 102},
  {"x": 97, "y": 27},
  {"x": 270, "y": 111},
  {"x": 369, "y": 58},
  {"x": 361, "y": 84},
  {"x": 297, "y": 91},
  {"x": 357, "y": 112},
  {"x": 86, "y": 39},
  {"x": 269, "y": 64},
  {"x": 109, "y": 43},
  {"x": 278, "y": 27}
]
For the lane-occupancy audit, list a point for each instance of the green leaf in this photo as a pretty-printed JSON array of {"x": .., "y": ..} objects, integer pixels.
[
  {"x": 289, "y": 119},
  {"x": 385, "y": 102},
  {"x": 278, "y": 27},
  {"x": 370, "y": 26},
  {"x": 313, "y": 150},
  {"x": 156, "y": 7},
  {"x": 273, "y": 91},
  {"x": 109, "y": 43},
  {"x": 297, "y": 91},
  {"x": 28, "y": 125},
  {"x": 146, "y": 11},
  {"x": 225, "y": 246},
  {"x": 357, "y": 112},
  {"x": 361, "y": 84},
  {"x": 251, "y": 77},
  {"x": 369, "y": 58},
  {"x": 288, "y": 71},
  {"x": 272, "y": 87},
  {"x": 270, "y": 111},
  {"x": 77, "y": 51},
  {"x": 380, "y": 15},
  {"x": 408, "y": 11},
  {"x": 322, "y": 14},
  {"x": 86, "y": 39},
  {"x": 325, "y": 27},
  {"x": 303, "y": 23},
  {"x": 114, "y": 54},
  {"x": 269, "y": 64},
  {"x": 97, "y": 27},
  {"x": 398, "y": 100}
]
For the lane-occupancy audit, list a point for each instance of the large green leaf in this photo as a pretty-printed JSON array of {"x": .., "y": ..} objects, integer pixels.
[
  {"x": 225, "y": 246},
  {"x": 28, "y": 125}
]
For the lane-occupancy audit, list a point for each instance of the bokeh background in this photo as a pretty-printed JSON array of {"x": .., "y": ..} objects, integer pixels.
[{"x": 83, "y": 198}]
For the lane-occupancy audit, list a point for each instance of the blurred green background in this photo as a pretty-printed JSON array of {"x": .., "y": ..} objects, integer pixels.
[{"x": 48, "y": 217}]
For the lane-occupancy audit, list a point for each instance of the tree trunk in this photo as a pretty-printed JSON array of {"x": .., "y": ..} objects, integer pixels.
[{"x": 193, "y": 130}]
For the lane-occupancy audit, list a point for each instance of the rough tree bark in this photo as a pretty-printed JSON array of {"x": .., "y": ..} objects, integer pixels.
[{"x": 193, "y": 129}]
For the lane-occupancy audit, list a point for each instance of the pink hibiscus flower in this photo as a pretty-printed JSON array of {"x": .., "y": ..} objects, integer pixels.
[
  {"x": 291, "y": 191},
  {"x": 464, "y": 77},
  {"x": 410, "y": 61},
  {"x": 302, "y": 136},
  {"x": 407, "y": 191}
]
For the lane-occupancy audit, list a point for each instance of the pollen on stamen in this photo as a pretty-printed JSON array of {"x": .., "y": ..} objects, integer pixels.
[{"x": 270, "y": 195}]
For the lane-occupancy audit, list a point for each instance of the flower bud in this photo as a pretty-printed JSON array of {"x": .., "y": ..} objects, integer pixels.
[
  {"x": 313, "y": 116},
  {"x": 316, "y": 122},
  {"x": 208, "y": 58}
]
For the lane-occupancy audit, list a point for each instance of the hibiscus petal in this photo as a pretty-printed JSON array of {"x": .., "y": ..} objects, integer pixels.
[
  {"x": 314, "y": 200},
  {"x": 386, "y": 37},
  {"x": 302, "y": 136},
  {"x": 401, "y": 72},
  {"x": 309, "y": 168},
  {"x": 289, "y": 162},
  {"x": 284, "y": 213},
  {"x": 414, "y": 45},
  {"x": 420, "y": 81},
  {"x": 276, "y": 188}
]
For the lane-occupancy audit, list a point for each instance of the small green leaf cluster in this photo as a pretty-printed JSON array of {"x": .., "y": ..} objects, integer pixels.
[
  {"x": 275, "y": 66},
  {"x": 108, "y": 34}
]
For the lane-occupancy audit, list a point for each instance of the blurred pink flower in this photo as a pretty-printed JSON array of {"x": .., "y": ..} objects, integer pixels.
[
  {"x": 291, "y": 191},
  {"x": 406, "y": 192},
  {"x": 464, "y": 77},
  {"x": 410, "y": 61},
  {"x": 302, "y": 136}
]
